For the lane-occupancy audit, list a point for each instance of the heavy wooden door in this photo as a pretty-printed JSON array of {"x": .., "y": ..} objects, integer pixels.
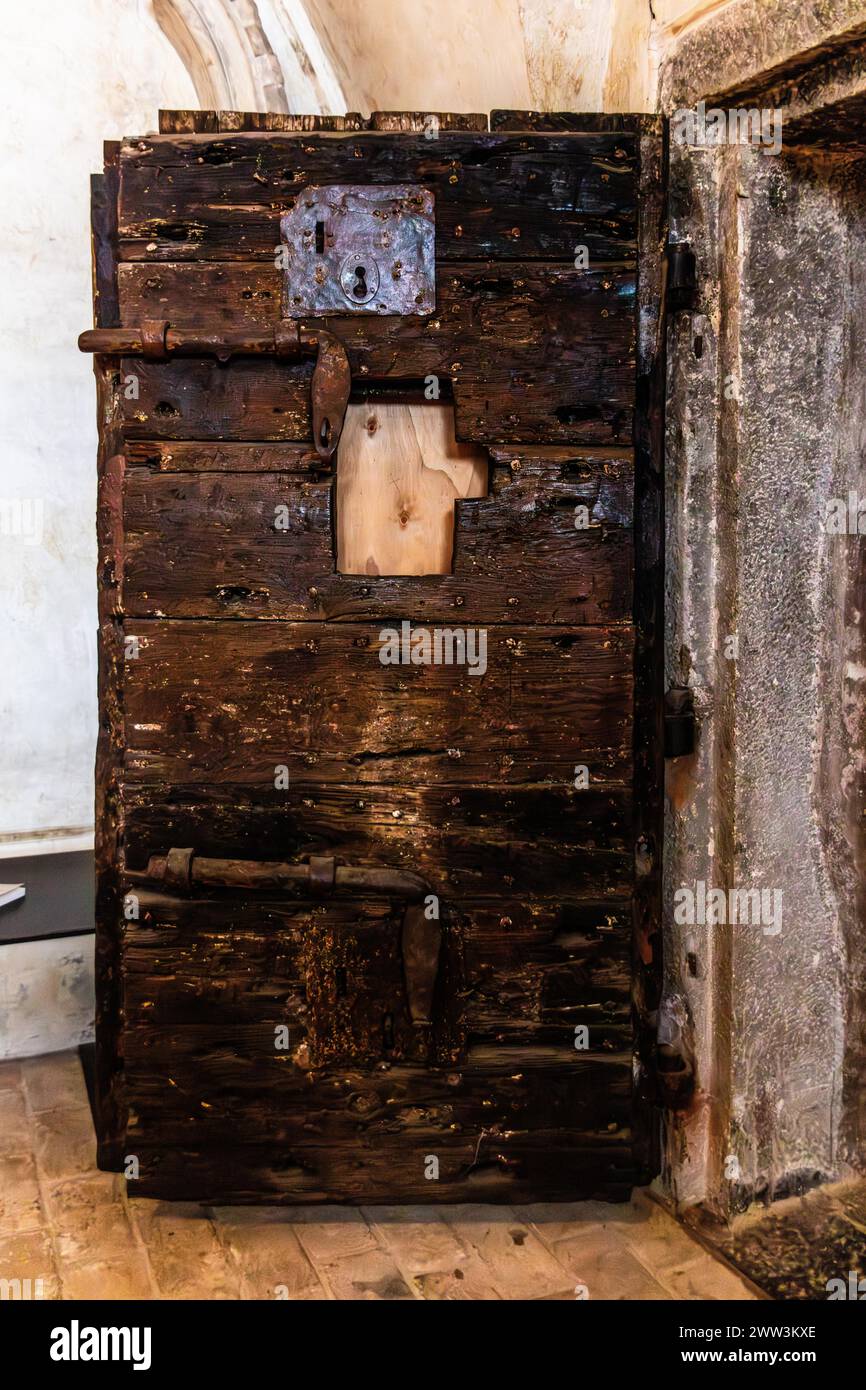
[{"x": 366, "y": 925}]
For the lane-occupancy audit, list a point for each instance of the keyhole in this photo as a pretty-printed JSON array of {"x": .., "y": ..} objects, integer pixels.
[
  {"x": 359, "y": 279},
  {"x": 359, "y": 289}
]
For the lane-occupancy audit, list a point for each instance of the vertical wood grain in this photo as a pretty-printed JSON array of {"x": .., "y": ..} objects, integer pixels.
[{"x": 399, "y": 473}]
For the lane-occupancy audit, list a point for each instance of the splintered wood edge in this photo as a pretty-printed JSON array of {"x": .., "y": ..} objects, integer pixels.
[{"x": 188, "y": 122}]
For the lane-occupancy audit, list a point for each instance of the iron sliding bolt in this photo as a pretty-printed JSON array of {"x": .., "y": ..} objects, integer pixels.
[
  {"x": 184, "y": 871},
  {"x": 157, "y": 340}
]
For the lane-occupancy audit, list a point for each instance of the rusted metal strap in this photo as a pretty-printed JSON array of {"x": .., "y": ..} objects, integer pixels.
[
  {"x": 157, "y": 339},
  {"x": 186, "y": 869}
]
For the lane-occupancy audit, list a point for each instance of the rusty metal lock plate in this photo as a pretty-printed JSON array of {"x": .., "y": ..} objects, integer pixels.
[{"x": 352, "y": 249}]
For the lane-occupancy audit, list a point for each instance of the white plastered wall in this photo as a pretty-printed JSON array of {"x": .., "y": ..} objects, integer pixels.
[{"x": 73, "y": 75}]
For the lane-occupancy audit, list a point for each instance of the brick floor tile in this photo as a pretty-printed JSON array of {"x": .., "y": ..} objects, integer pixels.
[
  {"x": 29, "y": 1258},
  {"x": 465, "y": 1280},
  {"x": 662, "y": 1245},
  {"x": 702, "y": 1277},
  {"x": 54, "y": 1082},
  {"x": 10, "y": 1076},
  {"x": 329, "y": 1233},
  {"x": 436, "y": 1262},
  {"x": 89, "y": 1218},
  {"x": 114, "y": 1280},
  {"x": 599, "y": 1262},
  {"x": 520, "y": 1265},
  {"x": 186, "y": 1257},
  {"x": 64, "y": 1143},
  {"x": 20, "y": 1204},
  {"x": 268, "y": 1254},
  {"x": 15, "y": 1130},
  {"x": 555, "y": 1221},
  {"x": 368, "y": 1276},
  {"x": 419, "y": 1238}
]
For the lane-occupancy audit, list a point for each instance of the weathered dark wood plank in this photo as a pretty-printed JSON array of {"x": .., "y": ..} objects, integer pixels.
[
  {"x": 497, "y": 196},
  {"x": 201, "y": 399},
  {"x": 575, "y": 122},
  {"x": 261, "y": 546},
  {"x": 181, "y": 122},
  {"x": 502, "y": 401},
  {"x": 473, "y": 1167},
  {"x": 415, "y": 122},
  {"x": 230, "y": 699},
  {"x": 266, "y": 1096},
  {"x": 533, "y": 978},
  {"x": 215, "y": 962},
  {"x": 215, "y": 456},
  {"x": 110, "y": 1098},
  {"x": 466, "y": 841},
  {"x": 188, "y": 122},
  {"x": 580, "y": 321},
  {"x": 331, "y": 974},
  {"x": 650, "y": 676},
  {"x": 241, "y": 958}
]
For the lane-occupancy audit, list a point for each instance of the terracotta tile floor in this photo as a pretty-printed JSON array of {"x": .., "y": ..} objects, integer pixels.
[{"x": 84, "y": 1236}]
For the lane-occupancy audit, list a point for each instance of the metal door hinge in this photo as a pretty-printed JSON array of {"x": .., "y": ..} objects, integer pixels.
[
  {"x": 680, "y": 724},
  {"x": 674, "y": 1054},
  {"x": 682, "y": 292},
  {"x": 355, "y": 249}
]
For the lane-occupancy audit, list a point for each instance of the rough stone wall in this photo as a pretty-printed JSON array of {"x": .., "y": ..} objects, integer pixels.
[
  {"x": 787, "y": 989},
  {"x": 841, "y": 765},
  {"x": 729, "y": 49},
  {"x": 698, "y": 819},
  {"x": 765, "y": 428}
]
